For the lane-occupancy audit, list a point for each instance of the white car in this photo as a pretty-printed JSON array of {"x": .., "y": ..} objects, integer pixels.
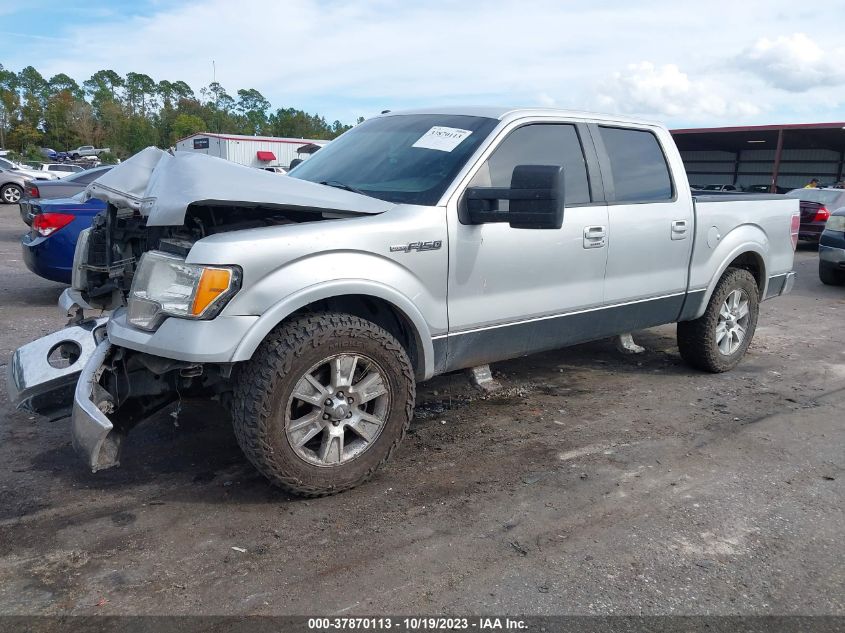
[
  {"x": 61, "y": 169},
  {"x": 36, "y": 174}
]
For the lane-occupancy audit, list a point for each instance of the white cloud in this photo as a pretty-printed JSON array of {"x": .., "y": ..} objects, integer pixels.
[
  {"x": 545, "y": 99},
  {"x": 666, "y": 91},
  {"x": 794, "y": 62},
  {"x": 356, "y": 57}
]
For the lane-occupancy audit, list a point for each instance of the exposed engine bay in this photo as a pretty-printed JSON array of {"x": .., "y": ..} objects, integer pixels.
[{"x": 108, "y": 257}]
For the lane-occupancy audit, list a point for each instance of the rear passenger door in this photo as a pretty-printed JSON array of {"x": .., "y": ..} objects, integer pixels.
[{"x": 650, "y": 225}]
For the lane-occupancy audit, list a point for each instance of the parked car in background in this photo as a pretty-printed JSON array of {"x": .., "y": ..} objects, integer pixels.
[
  {"x": 62, "y": 188},
  {"x": 816, "y": 207},
  {"x": 87, "y": 150},
  {"x": 12, "y": 184},
  {"x": 29, "y": 172},
  {"x": 52, "y": 154},
  {"x": 49, "y": 246},
  {"x": 763, "y": 189},
  {"x": 832, "y": 250},
  {"x": 61, "y": 169},
  {"x": 720, "y": 188}
]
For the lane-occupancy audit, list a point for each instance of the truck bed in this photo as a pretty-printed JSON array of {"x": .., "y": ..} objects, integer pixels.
[{"x": 736, "y": 223}]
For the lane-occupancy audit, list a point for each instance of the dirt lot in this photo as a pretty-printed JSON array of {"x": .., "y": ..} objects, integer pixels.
[{"x": 597, "y": 483}]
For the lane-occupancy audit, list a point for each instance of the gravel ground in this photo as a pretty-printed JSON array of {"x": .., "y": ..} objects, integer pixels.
[{"x": 596, "y": 483}]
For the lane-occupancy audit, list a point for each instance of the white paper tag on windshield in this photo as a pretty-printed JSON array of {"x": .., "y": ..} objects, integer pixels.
[{"x": 443, "y": 139}]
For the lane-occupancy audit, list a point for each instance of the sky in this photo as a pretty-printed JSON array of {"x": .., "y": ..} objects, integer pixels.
[{"x": 687, "y": 64}]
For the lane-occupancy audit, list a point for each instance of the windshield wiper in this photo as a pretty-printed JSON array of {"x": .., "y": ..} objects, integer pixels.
[{"x": 342, "y": 185}]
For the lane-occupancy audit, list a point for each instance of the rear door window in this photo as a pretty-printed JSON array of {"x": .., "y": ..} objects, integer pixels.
[{"x": 639, "y": 171}]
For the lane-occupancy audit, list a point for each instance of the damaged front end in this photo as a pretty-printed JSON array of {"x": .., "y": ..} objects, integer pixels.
[
  {"x": 155, "y": 202},
  {"x": 42, "y": 375},
  {"x": 105, "y": 389},
  {"x": 118, "y": 388}
]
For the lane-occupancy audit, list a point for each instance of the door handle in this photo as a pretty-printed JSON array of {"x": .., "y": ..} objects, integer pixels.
[
  {"x": 594, "y": 236},
  {"x": 679, "y": 229}
]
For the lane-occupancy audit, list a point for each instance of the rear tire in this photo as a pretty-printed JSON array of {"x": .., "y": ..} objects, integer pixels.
[
  {"x": 718, "y": 340},
  {"x": 830, "y": 276},
  {"x": 11, "y": 194},
  {"x": 323, "y": 403}
]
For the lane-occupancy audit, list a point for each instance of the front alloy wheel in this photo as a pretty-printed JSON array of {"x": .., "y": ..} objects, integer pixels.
[
  {"x": 337, "y": 410},
  {"x": 324, "y": 401}
]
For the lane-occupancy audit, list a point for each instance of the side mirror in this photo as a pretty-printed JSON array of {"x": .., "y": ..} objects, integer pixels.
[{"x": 535, "y": 199}]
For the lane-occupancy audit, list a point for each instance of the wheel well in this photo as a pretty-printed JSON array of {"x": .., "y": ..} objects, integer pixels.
[
  {"x": 753, "y": 263},
  {"x": 378, "y": 311}
]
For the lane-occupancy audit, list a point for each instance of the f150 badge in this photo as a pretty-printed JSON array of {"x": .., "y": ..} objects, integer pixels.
[{"x": 417, "y": 246}]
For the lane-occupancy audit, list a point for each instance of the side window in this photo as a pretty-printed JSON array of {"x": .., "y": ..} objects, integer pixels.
[
  {"x": 538, "y": 144},
  {"x": 638, "y": 166}
]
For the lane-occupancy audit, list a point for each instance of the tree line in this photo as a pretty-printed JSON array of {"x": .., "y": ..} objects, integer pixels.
[{"x": 128, "y": 113}]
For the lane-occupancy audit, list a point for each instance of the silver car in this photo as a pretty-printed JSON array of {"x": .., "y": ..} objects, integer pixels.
[{"x": 12, "y": 184}]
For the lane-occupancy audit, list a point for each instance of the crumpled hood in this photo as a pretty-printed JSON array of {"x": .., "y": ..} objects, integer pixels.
[{"x": 162, "y": 186}]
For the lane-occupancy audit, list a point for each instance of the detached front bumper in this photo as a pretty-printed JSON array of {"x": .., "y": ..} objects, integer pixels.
[
  {"x": 36, "y": 384},
  {"x": 94, "y": 436},
  {"x": 42, "y": 375}
]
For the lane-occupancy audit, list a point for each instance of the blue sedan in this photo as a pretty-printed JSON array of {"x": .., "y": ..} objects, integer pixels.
[{"x": 48, "y": 248}]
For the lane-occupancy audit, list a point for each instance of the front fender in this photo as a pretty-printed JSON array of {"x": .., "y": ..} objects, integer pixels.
[
  {"x": 710, "y": 263},
  {"x": 280, "y": 310},
  {"x": 413, "y": 283}
]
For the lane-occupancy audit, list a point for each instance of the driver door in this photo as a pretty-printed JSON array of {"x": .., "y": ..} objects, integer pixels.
[{"x": 512, "y": 291}]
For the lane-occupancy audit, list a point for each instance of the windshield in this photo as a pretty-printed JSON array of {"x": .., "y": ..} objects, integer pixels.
[
  {"x": 825, "y": 196},
  {"x": 405, "y": 158}
]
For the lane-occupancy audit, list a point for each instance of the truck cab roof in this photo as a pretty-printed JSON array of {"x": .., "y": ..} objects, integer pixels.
[{"x": 509, "y": 113}]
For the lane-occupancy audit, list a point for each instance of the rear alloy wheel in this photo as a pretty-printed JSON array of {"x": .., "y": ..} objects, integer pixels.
[
  {"x": 11, "y": 194},
  {"x": 717, "y": 340},
  {"x": 323, "y": 402}
]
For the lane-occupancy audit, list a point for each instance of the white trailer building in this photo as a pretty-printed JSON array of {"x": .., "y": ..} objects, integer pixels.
[{"x": 252, "y": 151}]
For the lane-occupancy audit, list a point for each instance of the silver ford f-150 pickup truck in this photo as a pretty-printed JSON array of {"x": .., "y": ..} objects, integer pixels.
[{"x": 415, "y": 244}]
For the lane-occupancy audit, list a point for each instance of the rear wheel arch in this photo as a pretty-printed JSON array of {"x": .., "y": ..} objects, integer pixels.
[
  {"x": 753, "y": 263},
  {"x": 750, "y": 256}
]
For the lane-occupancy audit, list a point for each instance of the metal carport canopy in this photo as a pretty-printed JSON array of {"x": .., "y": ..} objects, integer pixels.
[{"x": 827, "y": 136}]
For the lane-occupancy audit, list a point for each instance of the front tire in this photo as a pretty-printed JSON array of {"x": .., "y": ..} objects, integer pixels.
[
  {"x": 718, "y": 340},
  {"x": 830, "y": 276},
  {"x": 11, "y": 194},
  {"x": 323, "y": 403}
]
